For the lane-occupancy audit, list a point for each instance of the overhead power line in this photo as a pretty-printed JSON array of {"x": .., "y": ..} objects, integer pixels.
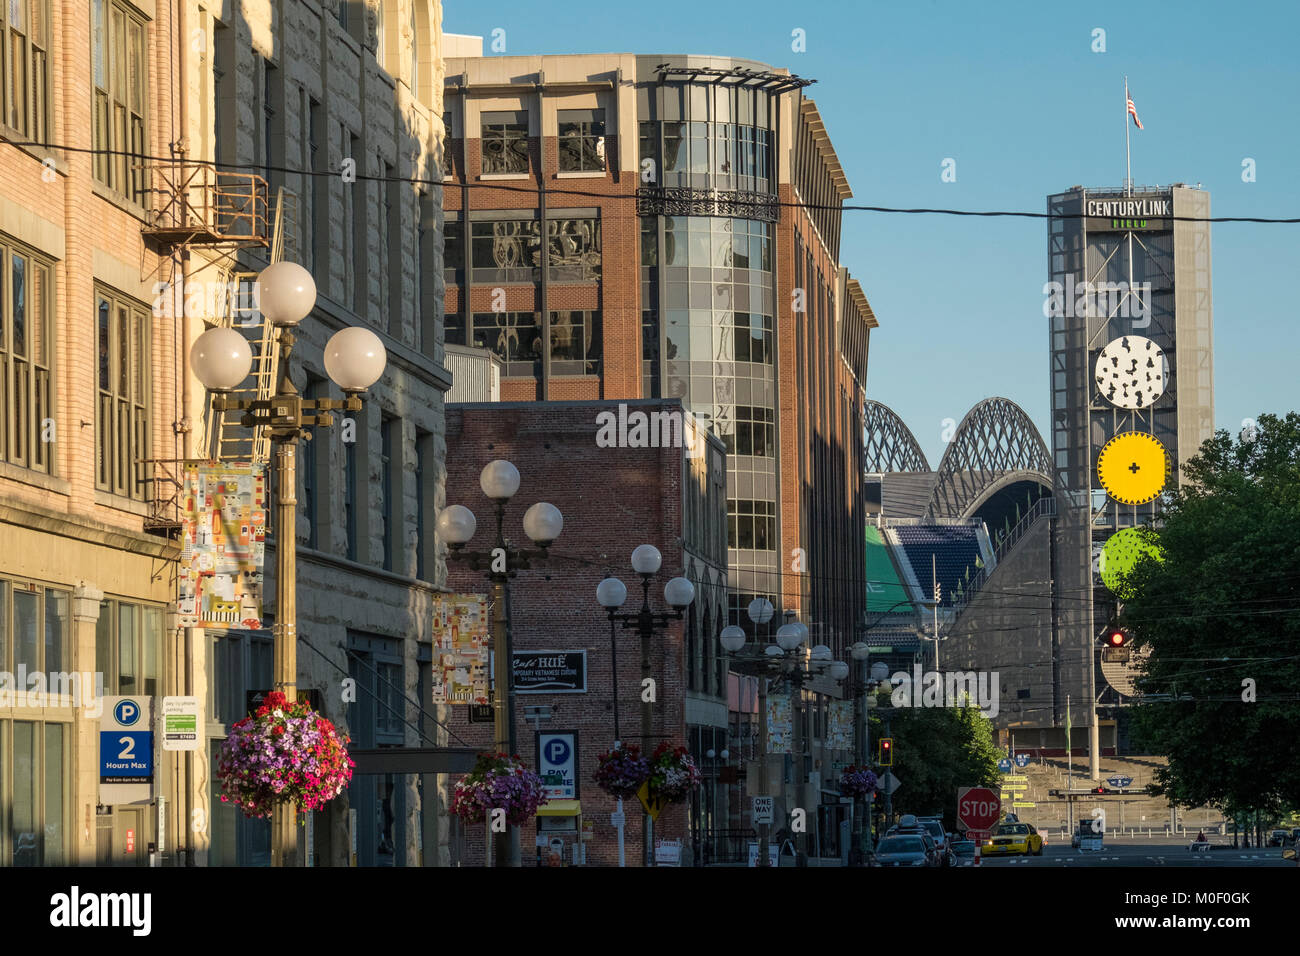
[{"x": 541, "y": 189}]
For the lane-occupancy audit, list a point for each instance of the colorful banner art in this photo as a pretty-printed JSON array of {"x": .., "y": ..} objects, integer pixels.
[
  {"x": 780, "y": 724},
  {"x": 839, "y": 736},
  {"x": 223, "y": 544},
  {"x": 460, "y": 644}
]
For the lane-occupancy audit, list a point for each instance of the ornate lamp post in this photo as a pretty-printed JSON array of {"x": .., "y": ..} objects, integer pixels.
[
  {"x": 611, "y": 593},
  {"x": 780, "y": 661},
  {"x": 354, "y": 359},
  {"x": 859, "y": 685},
  {"x": 543, "y": 524}
]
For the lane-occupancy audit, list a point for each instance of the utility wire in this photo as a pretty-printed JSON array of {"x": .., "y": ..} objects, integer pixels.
[{"x": 541, "y": 189}]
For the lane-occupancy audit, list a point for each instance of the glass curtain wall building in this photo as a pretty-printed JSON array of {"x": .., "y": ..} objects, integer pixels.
[{"x": 708, "y": 133}]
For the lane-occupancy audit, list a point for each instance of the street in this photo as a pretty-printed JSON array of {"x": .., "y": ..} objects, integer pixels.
[{"x": 1152, "y": 853}]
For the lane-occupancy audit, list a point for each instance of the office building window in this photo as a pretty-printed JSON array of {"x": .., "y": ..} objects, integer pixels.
[
  {"x": 33, "y": 786},
  {"x": 269, "y": 97},
  {"x": 359, "y": 253},
  {"x": 317, "y": 204},
  {"x": 313, "y": 464},
  {"x": 390, "y": 438},
  {"x": 516, "y": 337},
  {"x": 25, "y": 67},
  {"x": 505, "y": 142},
  {"x": 122, "y": 410},
  {"x": 755, "y": 432},
  {"x": 506, "y": 250},
  {"x": 129, "y": 648},
  {"x": 575, "y": 343},
  {"x": 573, "y": 250},
  {"x": 752, "y": 340},
  {"x": 448, "y": 147},
  {"x": 119, "y": 70},
  {"x": 34, "y": 630},
  {"x": 423, "y": 458},
  {"x": 26, "y": 378},
  {"x": 453, "y": 251},
  {"x": 751, "y": 525},
  {"x": 350, "y": 498},
  {"x": 582, "y": 140}
]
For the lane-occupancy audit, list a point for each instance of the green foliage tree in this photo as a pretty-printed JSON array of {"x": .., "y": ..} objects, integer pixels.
[
  {"x": 1220, "y": 617},
  {"x": 936, "y": 751}
]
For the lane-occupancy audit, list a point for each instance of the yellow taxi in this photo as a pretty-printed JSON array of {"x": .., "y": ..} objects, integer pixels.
[{"x": 1012, "y": 838}]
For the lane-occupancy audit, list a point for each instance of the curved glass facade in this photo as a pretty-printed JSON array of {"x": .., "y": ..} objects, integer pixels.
[{"x": 708, "y": 287}]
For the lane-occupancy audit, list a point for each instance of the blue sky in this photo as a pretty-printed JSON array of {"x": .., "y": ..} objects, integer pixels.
[{"x": 1016, "y": 96}]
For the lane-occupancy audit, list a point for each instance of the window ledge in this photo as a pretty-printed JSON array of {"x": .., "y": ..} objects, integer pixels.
[
  {"x": 36, "y": 479},
  {"x": 583, "y": 174},
  {"x": 120, "y": 201},
  {"x": 491, "y": 176},
  {"x": 121, "y": 503}
]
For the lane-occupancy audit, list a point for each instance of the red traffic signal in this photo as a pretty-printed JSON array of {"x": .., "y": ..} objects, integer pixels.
[
  {"x": 887, "y": 751},
  {"x": 1115, "y": 637}
]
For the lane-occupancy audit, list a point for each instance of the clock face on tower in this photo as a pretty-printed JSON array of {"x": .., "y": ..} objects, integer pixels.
[
  {"x": 1130, "y": 372},
  {"x": 1133, "y": 467}
]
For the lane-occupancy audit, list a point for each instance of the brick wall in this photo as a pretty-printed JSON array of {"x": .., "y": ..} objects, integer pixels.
[{"x": 612, "y": 500}]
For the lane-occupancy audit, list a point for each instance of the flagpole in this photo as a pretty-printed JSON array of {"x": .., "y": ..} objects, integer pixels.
[{"x": 1128, "y": 156}]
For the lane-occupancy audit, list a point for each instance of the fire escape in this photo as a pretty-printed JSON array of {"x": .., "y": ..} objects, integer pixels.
[{"x": 233, "y": 220}]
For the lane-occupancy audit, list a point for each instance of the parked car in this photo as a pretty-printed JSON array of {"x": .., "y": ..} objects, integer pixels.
[
  {"x": 1013, "y": 838},
  {"x": 907, "y": 850},
  {"x": 1295, "y": 836},
  {"x": 963, "y": 853},
  {"x": 1279, "y": 837}
]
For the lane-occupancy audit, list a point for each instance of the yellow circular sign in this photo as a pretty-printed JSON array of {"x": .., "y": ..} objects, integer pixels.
[{"x": 1133, "y": 467}]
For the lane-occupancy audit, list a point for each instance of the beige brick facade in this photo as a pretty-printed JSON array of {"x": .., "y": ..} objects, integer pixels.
[{"x": 208, "y": 91}]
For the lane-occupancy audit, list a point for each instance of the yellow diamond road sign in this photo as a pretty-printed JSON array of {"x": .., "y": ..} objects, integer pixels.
[{"x": 653, "y": 805}]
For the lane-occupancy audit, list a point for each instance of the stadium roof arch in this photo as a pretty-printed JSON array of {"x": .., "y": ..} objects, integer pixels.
[
  {"x": 995, "y": 450},
  {"x": 888, "y": 445}
]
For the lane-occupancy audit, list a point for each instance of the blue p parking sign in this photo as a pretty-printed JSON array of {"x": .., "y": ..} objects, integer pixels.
[
  {"x": 557, "y": 764},
  {"x": 127, "y": 712}
]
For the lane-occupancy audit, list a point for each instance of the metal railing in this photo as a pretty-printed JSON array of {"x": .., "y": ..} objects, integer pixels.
[
  {"x": 1002, "y": 546},
  {"x": 201, "y": 205}
]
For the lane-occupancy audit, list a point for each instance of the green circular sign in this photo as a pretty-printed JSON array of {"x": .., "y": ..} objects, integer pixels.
[{"x": 1119, "y": 555}]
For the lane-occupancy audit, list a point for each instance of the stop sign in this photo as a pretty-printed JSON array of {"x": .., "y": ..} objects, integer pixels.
[{"x": 978, "y": 808}]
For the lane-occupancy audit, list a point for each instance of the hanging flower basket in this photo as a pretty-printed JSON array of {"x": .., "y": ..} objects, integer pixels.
[
  {"x": 857, "y": 782},
  {"x": 620, "y": 772},
  {"x": 283, "y": 754},
  {"x": 498, "y": 782},
  {"x": 673, "y": 774}
]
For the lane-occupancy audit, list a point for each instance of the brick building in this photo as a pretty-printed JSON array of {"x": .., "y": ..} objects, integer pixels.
[
  {"x": 623, "y": 226},
  {"x": 670, "y": 497},
  {"x": 232, "y": 103}
]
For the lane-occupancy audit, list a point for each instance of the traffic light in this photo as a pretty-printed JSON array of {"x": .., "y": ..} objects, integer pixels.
[
  {"x": 886, "y": 751},
  {"x": 1115, "y": 637}
]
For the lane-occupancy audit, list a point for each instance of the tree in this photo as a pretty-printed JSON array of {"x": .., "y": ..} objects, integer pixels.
[
  {"x": 936, "y": 751},
  {"x": 1220, "y": 615}
]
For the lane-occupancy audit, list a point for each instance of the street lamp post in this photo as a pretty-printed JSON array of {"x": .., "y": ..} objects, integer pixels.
[
  {"x": 780, "y": 661},
  {"x": 221, "y": 359},
  {"x": 456, "y": 525},
  {"x": 611, "y": 593},
  {"x": 863, "y": 681}
]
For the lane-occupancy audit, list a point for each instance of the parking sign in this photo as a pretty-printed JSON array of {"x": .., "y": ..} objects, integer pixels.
[{"x": 557, "y": 763}]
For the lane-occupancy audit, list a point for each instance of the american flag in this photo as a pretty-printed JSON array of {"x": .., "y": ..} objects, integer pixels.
[{"x": 1132, "y": 110}]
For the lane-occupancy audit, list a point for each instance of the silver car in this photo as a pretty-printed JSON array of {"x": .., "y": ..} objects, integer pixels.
[{"x": 905, "y": 850}]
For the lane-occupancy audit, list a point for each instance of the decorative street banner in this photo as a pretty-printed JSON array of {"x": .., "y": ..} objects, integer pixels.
[
  {"x": 780, "y": 724},
  {"x": 840, "y": 735},
  {"x": 223, "y": 544},
  {"x": 550, "y": 672},
  {"x": 460, "y": 641}
]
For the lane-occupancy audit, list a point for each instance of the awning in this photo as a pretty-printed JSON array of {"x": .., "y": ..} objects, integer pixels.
[{"x": 560, "y": 808}]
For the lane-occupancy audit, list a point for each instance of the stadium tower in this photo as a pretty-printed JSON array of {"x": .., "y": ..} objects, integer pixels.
[{"x": 1129, "y": 306}]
